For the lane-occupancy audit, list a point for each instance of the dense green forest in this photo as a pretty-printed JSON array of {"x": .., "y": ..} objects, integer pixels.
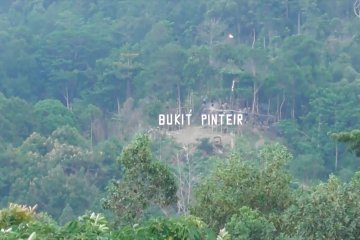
[{"x": 81, "y": 86}]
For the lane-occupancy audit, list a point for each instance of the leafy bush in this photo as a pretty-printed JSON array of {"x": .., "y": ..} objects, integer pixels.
[
  {"x": 187, "y": 227},
  {"x": 249, "y": 224},
  {"x": 16, "y": 214}
]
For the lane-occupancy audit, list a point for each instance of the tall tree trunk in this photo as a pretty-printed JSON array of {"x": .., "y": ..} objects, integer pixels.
[
  {"x": 269, "y": 36},
  {"x": 319, "y": 131},
  {"x": 181, "y": 199},
  {"x": 67, "y": 98},
  {"x": 179, "y": 102},
  {"x": 282, "y": 104},
  {"x": 254, "y": 38},
  {"x": 238, "y": 31},
  {"x": 178, "y": 98},
  {"x": 128, "y": 87},
  {"x": 254, "y": 98},
  {"x": 293, "y": 109},
  {"x": 336, "y": 155},
  {"x": 255, "y": 87},
  {"x": 118, "y": 105},
  {"x": 293, "y": 104},
  {"x": 336, "y": 143},
  {"x": 277, "y": 108},
  {"x": 91, "y": 134},
  {"x": 299, "y": 23},
  {"x": 213, "y": 23},
  {"x": 189, "y": 177},
  {"x": 264, "y": 42}
]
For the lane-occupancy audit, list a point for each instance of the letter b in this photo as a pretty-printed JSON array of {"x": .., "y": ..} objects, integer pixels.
[{"x": 161, "y": 119}]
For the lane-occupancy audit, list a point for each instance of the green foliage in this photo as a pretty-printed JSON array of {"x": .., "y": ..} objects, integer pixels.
[
  {"x": 67, "y": 215},
  {"x": 16, "y": 119},
  {"x": 80, "y": 78},
  {"x": 237, "y": 182},
  {"x": 152, "y": 110},
  {"x": 351, "y": 138},
  {"x": 68, "y": 135},
  {"x": 86, "y": 114},
  {"x": 52, "y": 173},
  {"x": 300, "y": 58},
  {"x": 223, "y": 235},
  {"x": 26, "y": 224},
  {"x": 249, "y": 224},
  {"x": 187, "y": 227},
  {"x": 16, "y": 214},
  {"x": 206, "y": 146},
  {"x": 145, "y": 182},
  {"x": 88, "y": 226},
  {"x": 51, "y": 114},
  {"x": 327, "y": 211},
  {"x": 332, "y": 109},
  {"x": 22, "y": 222}
]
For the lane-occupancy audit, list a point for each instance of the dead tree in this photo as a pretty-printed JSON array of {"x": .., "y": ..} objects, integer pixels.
[{"x": 185, "y": 179}]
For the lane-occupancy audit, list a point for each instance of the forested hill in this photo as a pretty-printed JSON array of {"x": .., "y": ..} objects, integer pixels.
[
  {"x": 296, "y": 60},
  {"x": 78, "y": 79}
]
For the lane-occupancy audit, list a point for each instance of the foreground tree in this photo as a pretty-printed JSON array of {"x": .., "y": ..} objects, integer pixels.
[
  {"x": 145, "y": 183},
  {"x": 188, "y": 227},
  {"x": 329, "y": 210},
  {"x": 249, "y": 224},
  {"x": 237, "y": 183},
  {"x": 22, "y": 222},
  {"x": 54, "y": 172}
]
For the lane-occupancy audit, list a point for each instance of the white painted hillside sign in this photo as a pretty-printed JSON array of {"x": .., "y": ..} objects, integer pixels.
[{"x": 218, "y": 119}]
